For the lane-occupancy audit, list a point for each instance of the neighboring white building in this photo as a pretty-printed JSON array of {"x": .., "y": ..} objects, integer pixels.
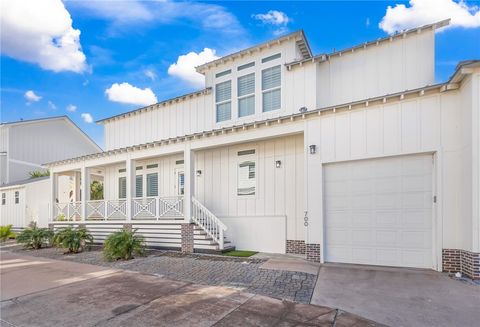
[
  {"x": 356, "y": 156},
  {"x": 27, "y": 144},
  {"x": 24, "y": 147}
]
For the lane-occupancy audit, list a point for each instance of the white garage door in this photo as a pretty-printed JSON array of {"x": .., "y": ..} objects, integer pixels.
[{"x": 379, "y": 212}]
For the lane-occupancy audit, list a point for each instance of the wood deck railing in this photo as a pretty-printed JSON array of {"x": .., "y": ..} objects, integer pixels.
[{"x": 149, "y": 208}]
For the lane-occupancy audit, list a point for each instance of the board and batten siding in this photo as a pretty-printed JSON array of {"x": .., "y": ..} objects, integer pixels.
[
  {"x": 279, "y": 191},
  {"x": 13, "y": 213},
  {"x": 389, "y": 67},
  {"x": 428, "y": 124}
]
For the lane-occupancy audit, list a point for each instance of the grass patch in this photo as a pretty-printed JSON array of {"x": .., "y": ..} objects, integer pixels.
[{"x": 240, "y": 253}]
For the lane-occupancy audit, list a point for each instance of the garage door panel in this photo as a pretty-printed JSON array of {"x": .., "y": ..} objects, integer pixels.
[{"x": 379, "y": 211}]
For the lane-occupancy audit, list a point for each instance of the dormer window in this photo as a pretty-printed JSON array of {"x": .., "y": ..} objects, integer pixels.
[
  {"x": 246, "y": 95},
  {"x": 271, "y": 88},
  {"x": 223, "y": 96}
]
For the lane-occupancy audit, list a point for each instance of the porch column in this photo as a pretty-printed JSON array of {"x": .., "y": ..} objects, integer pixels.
[
  {"x": 85, "y": 190},
  {"x": 130, "y": 182},
  {"x": 53, "y": 195},
  {"x": 189, "y": 167}
]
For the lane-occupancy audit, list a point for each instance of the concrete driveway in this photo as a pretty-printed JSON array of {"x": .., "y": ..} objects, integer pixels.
[
  {"x": 44, "y": 292},
  {"x": 399, "y": 297}
]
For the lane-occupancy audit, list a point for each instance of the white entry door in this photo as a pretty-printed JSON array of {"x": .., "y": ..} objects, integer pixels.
[{"x": 379, "y": 211}]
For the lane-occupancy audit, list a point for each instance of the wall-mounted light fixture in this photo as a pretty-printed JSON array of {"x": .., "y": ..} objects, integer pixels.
[
  {"x": 198, "y": 173},
  {"x": 313, "y": 149},
  {"x": 278, "y": 164}
]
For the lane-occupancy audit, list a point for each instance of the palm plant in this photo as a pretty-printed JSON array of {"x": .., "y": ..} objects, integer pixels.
[
  {"x": 96, "y": 190},
  {"x": 74, "y": 240},
  {"x": 34, "y": 237},
  {"x": 123, "y": 244},
  {"x": 6, "y": 233},
  {"x": 39, "y": 173}
]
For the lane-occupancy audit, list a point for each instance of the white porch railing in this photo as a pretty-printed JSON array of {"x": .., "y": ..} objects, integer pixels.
[
  {"x": 208, "y": 222},
  {"x": 150, "y": 208},
  {"x": 68, "y": 211}
]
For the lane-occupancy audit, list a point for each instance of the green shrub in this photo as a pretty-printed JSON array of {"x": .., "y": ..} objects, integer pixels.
[
  {"x": 123, "y": 245},
  {"x": 60, "y": 217},
  {"x": 34, "y": 237},
  {"x": 6, "y": 233},
  {"x": 74, "y": 240},
  {"x": 39, "y": 173}
]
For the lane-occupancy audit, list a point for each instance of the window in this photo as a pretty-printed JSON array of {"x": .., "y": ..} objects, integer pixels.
[
  {"x": 152, "y": 166},
  {"x": 4, "y": 199},
  {"x": 223, "y": 95},
  {"x": 152, "y": 184},
  {"x": 181, "y": 183},
  {"x": 271, "y": 81},
  {"x": 270, "y": 58},
  {"x": 226, "y": 72},
  {"x": 122, "y": 187},
  {"x": 246, "y": 173},
  {"x": 250, "y": 64},
  {"x": 17, "y": 197},
  {"x": 246, "y": 95},
  {"x": 139, "y": 186}
]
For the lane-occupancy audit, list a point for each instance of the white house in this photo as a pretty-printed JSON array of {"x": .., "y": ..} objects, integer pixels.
[
  {"x": 26, "y": 145},
  {"x": 356, "y": 156}
]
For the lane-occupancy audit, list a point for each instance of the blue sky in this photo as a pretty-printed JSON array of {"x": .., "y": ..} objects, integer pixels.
[{"x": 136, "y": 42}]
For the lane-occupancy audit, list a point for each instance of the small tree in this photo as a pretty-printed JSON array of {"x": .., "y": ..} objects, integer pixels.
[
  {"x": 96, "y": 190},
  {"x": 123, "y": 245},
  {"x": 74, "y": 240},
  {"x": 39, "y": 173},
  {"x": 34, "y": 237}
]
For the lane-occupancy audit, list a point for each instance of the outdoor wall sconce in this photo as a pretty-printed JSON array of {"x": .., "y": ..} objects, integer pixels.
[
  {"x": 313, "y": 149},
  {"x": 278, "y": 164},
  {"x": 199, "y": 173}
]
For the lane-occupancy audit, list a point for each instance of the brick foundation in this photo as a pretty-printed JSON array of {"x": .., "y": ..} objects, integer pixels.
[
  {"x": 313, "y": 252},
  {"x": 466, "y": 262},
  {"x": 187, "y": 238},
  {"x": 296, "y": 246}
]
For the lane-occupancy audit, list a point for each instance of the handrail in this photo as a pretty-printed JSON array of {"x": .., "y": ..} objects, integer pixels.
[{"x": 208, "y": 222}]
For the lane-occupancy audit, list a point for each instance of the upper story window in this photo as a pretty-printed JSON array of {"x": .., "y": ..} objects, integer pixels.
[
  {"x": 4, "y": 199},
  {"x": 270, "y": 58},
  {"x": 226, "y": 72},
  {"x": 246, "y": 95},
  {"x": 17, "y": 197},
  {"x": 271, "y": 88},
  {"x": 250, "y": 64},
  {"x": 223, "y": 96}
]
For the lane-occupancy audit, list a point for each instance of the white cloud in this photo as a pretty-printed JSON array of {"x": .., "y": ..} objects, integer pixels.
[
  {"x": 87, "y": 117},
  {"x": 184, "y": 68},
  {"x": 52, "y": 105},
  {"x": 41, "y": 32},
  {"x": 131, "y": 13},
  {"x": 71, "y": 108},
  {"x": 422, "y": 12},
  {"x": 367, "y": 22},
  {"x": 150, "y": 74},
  {"x": 31, "y": 96},
  {"x": 126, "y": 93},
  {"x": 273, "y": 17}
]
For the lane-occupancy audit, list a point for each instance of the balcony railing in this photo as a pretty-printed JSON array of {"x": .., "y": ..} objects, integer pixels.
[{"x": 149, "y": 208}]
